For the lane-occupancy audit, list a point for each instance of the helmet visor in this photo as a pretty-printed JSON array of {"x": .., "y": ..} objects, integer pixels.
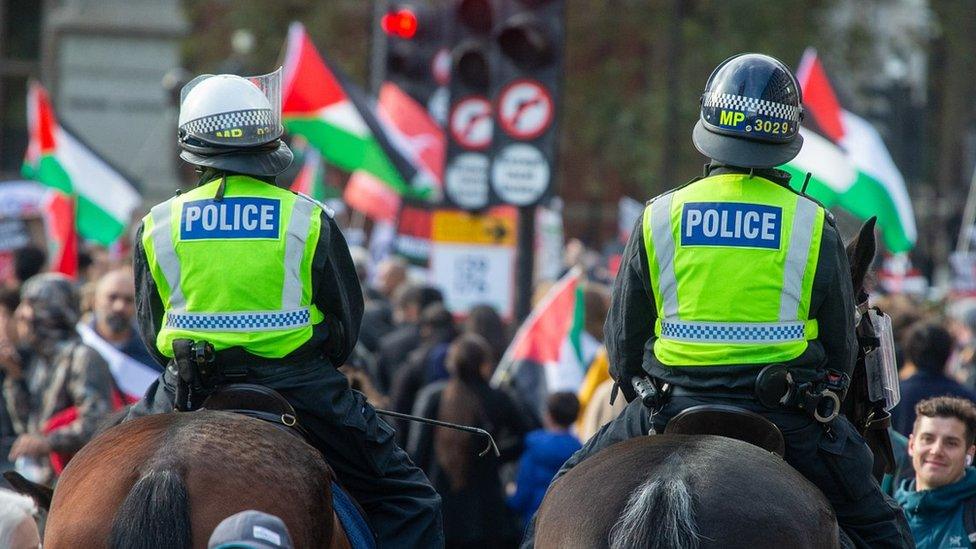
[{"x": 249, "y": 119}]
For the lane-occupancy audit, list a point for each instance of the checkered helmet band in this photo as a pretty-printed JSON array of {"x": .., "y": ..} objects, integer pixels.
[
  {"x": 752, "y": 96},
  {"x": 235, "y": 129}
]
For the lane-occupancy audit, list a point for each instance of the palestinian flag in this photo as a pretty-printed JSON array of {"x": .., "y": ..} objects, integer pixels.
[
  {"x": 412, "y": 131},
  {"x": 850, "y": 166},
  {"x": 62, "y": 238},
  {"x": 322, "y": 105},
  {"x": 369, "y": 196},
  {"x": 104, "y": 199},
  {"x": 311, "y": 178},
  {"x": 415, "y": 134},
  {"x": 547, "y": 355}
]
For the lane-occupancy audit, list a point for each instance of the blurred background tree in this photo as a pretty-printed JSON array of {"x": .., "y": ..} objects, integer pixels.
[{"x": 635, "y": 70}]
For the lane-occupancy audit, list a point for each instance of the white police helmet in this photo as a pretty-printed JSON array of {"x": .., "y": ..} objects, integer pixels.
[{"x": 233, "y": 123}]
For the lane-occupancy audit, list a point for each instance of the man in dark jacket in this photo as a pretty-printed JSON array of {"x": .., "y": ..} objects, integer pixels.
[
  {"x": 265, "y": 276},
  {"x": 409, "y": 302},
  {"x": 944, "y": 486},
  {"x": 734, "y": 272},
  {"x": 928, "y": 346}
]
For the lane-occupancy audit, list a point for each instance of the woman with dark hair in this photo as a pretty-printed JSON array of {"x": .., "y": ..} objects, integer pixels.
[
  {"x": 474, "y": 508},
  {"x": 484, "y": 321}
]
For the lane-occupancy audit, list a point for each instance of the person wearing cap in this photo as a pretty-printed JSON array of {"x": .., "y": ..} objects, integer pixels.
[
  {"x": 264, "y": 276},
  {"x": 251, "y": 530},
  {"x": 735, "y": 271},
  {"x": 56, "y": 387}
]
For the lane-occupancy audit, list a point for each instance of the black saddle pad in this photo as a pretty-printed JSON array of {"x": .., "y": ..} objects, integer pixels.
[
  {"x": 255, "y": 401},
  {"x": 728, "y": 421}
]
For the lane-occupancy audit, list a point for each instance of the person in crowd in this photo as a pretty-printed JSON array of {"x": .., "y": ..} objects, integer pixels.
[
  {"x": 962, "y": 326},
  {"x": 599, "y": 410},
  {"x": 9, "y": 300},
  {"x": 780, "y": 291},
  {"x": 251, "y": 530},
  {"x": 425, "y": 365},
  {"x": 18, "y": 521},
  {"x": 409, "y": 302},
  {"x": 60, "y": 389},
  {"x": 275, "y": 299},
  {"x": 28, "y": 261},
  {"x": 943, "y": 491},
  {"x": 904, "y": 312},
  {"x": 378, "y": 314},
  {"x": 484, "y": 320},
  {"x": 93, "y": 262},
  {"x": 475, "y": 514},
  {"x": 545, "y": 452},
  {"x": 113, "y": 316},
  {"x": 928, "y": 346},
  {"x": 391, "y": 273},
  {"x": 360, "y": 261}
]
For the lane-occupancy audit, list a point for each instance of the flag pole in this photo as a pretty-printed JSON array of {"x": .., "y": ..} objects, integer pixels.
[{"x": 968, "y": 217}]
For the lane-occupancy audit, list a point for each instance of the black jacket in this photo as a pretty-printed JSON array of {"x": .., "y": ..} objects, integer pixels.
[
  {"x": 336, "y": 292},
  {"x": 629, "y": 329}
]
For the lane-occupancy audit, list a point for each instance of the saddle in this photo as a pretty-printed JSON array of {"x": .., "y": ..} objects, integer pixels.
[
  {"x": 728, "y": 421},
  {"x": 258, "y": 402}
]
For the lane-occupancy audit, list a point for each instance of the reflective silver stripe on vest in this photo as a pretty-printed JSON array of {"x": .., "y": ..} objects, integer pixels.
[
  {"x": 664, "y": 251},
  {"x": 295, "y": 238},
  {"x": 732, "y": 332},
  {"x": 255, "y": 321},
  {"x": 162, "y": 239},
  {"x": 796, "y": 259}
]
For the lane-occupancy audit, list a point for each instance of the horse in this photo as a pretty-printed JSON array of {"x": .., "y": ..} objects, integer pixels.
[
  {"x": 696, "y": 491},
  {"x": 167, "y": 480}
]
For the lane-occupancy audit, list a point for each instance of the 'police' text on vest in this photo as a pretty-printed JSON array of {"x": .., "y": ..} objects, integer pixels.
[
  {"x": 731, "y": 224},
  {"x": 231, "y": 217}
]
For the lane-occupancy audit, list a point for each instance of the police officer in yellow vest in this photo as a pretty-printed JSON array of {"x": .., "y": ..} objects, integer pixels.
[
  {"x": 736, "y": 271},
  {"x": 264, "y": 275}
]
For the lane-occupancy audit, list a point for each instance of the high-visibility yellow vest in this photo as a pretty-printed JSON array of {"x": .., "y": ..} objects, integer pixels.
[
  {"x": 732, "y": 260},
  {"x": 235, "y": 271}
]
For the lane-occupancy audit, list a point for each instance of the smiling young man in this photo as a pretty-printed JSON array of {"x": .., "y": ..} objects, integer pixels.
[{"x": 941, "y": 446}]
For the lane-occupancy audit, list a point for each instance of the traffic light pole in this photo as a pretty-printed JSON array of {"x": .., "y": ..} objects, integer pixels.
[
  {"x": 377, "y": 62},
  {"x": 525, "y": 262}
]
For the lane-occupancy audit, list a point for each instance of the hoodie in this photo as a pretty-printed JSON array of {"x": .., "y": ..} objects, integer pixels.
[
  {"x": 935, "y": 516},
  {"x": 545, "y": 452}
]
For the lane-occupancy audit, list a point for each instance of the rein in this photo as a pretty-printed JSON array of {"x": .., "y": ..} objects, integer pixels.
[{"x": 465, "y": 428}]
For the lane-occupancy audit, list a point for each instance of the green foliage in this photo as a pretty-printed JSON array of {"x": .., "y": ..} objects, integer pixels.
[
  {"x": 617, "y": 134},
  {"x": 340, "y": 28}
]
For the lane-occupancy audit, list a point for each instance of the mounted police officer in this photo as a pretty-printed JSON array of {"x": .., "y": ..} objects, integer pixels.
[
  {"x": 734, "y": 273},
  {"x": 260, "y": 281}
]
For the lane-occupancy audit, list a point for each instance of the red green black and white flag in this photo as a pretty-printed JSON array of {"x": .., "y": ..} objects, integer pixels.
[
  {"x": 850, "y": 165},
  {"x": 334, "y": 115},
  {"x": 105, "y": 199}
]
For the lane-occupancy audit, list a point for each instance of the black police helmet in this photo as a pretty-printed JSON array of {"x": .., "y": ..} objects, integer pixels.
[{"x": 750, "y": 113}]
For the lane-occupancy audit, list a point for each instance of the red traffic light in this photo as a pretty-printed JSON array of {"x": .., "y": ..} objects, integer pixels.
[{"x": 400, "y": 23}]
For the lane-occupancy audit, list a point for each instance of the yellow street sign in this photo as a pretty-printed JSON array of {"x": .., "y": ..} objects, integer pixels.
[{"x": 496, "y": 227}]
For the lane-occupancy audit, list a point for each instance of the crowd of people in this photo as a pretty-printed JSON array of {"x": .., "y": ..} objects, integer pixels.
[{"x": 415, "y": 357}]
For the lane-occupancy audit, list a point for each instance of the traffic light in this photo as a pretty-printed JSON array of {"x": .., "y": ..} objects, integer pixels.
[
  {"x": 414, "y": 33},
  {"x": 525, "y": 85},
  {"x": 469, "y": 119}
]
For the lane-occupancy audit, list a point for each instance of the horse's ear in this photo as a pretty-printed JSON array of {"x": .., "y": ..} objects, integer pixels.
[
  {"x": 860, "y": 254},
  {"x": 38, "y": 492}
]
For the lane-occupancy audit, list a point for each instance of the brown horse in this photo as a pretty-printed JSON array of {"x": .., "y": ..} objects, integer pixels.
[
  {"x": 685, "y": 492},
  {"x": 168, "y": 480},
  {"x": 697, "y": 492}
]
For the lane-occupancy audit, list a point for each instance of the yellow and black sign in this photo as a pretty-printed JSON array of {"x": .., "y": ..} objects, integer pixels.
[{"x": 495, "y": 227}]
